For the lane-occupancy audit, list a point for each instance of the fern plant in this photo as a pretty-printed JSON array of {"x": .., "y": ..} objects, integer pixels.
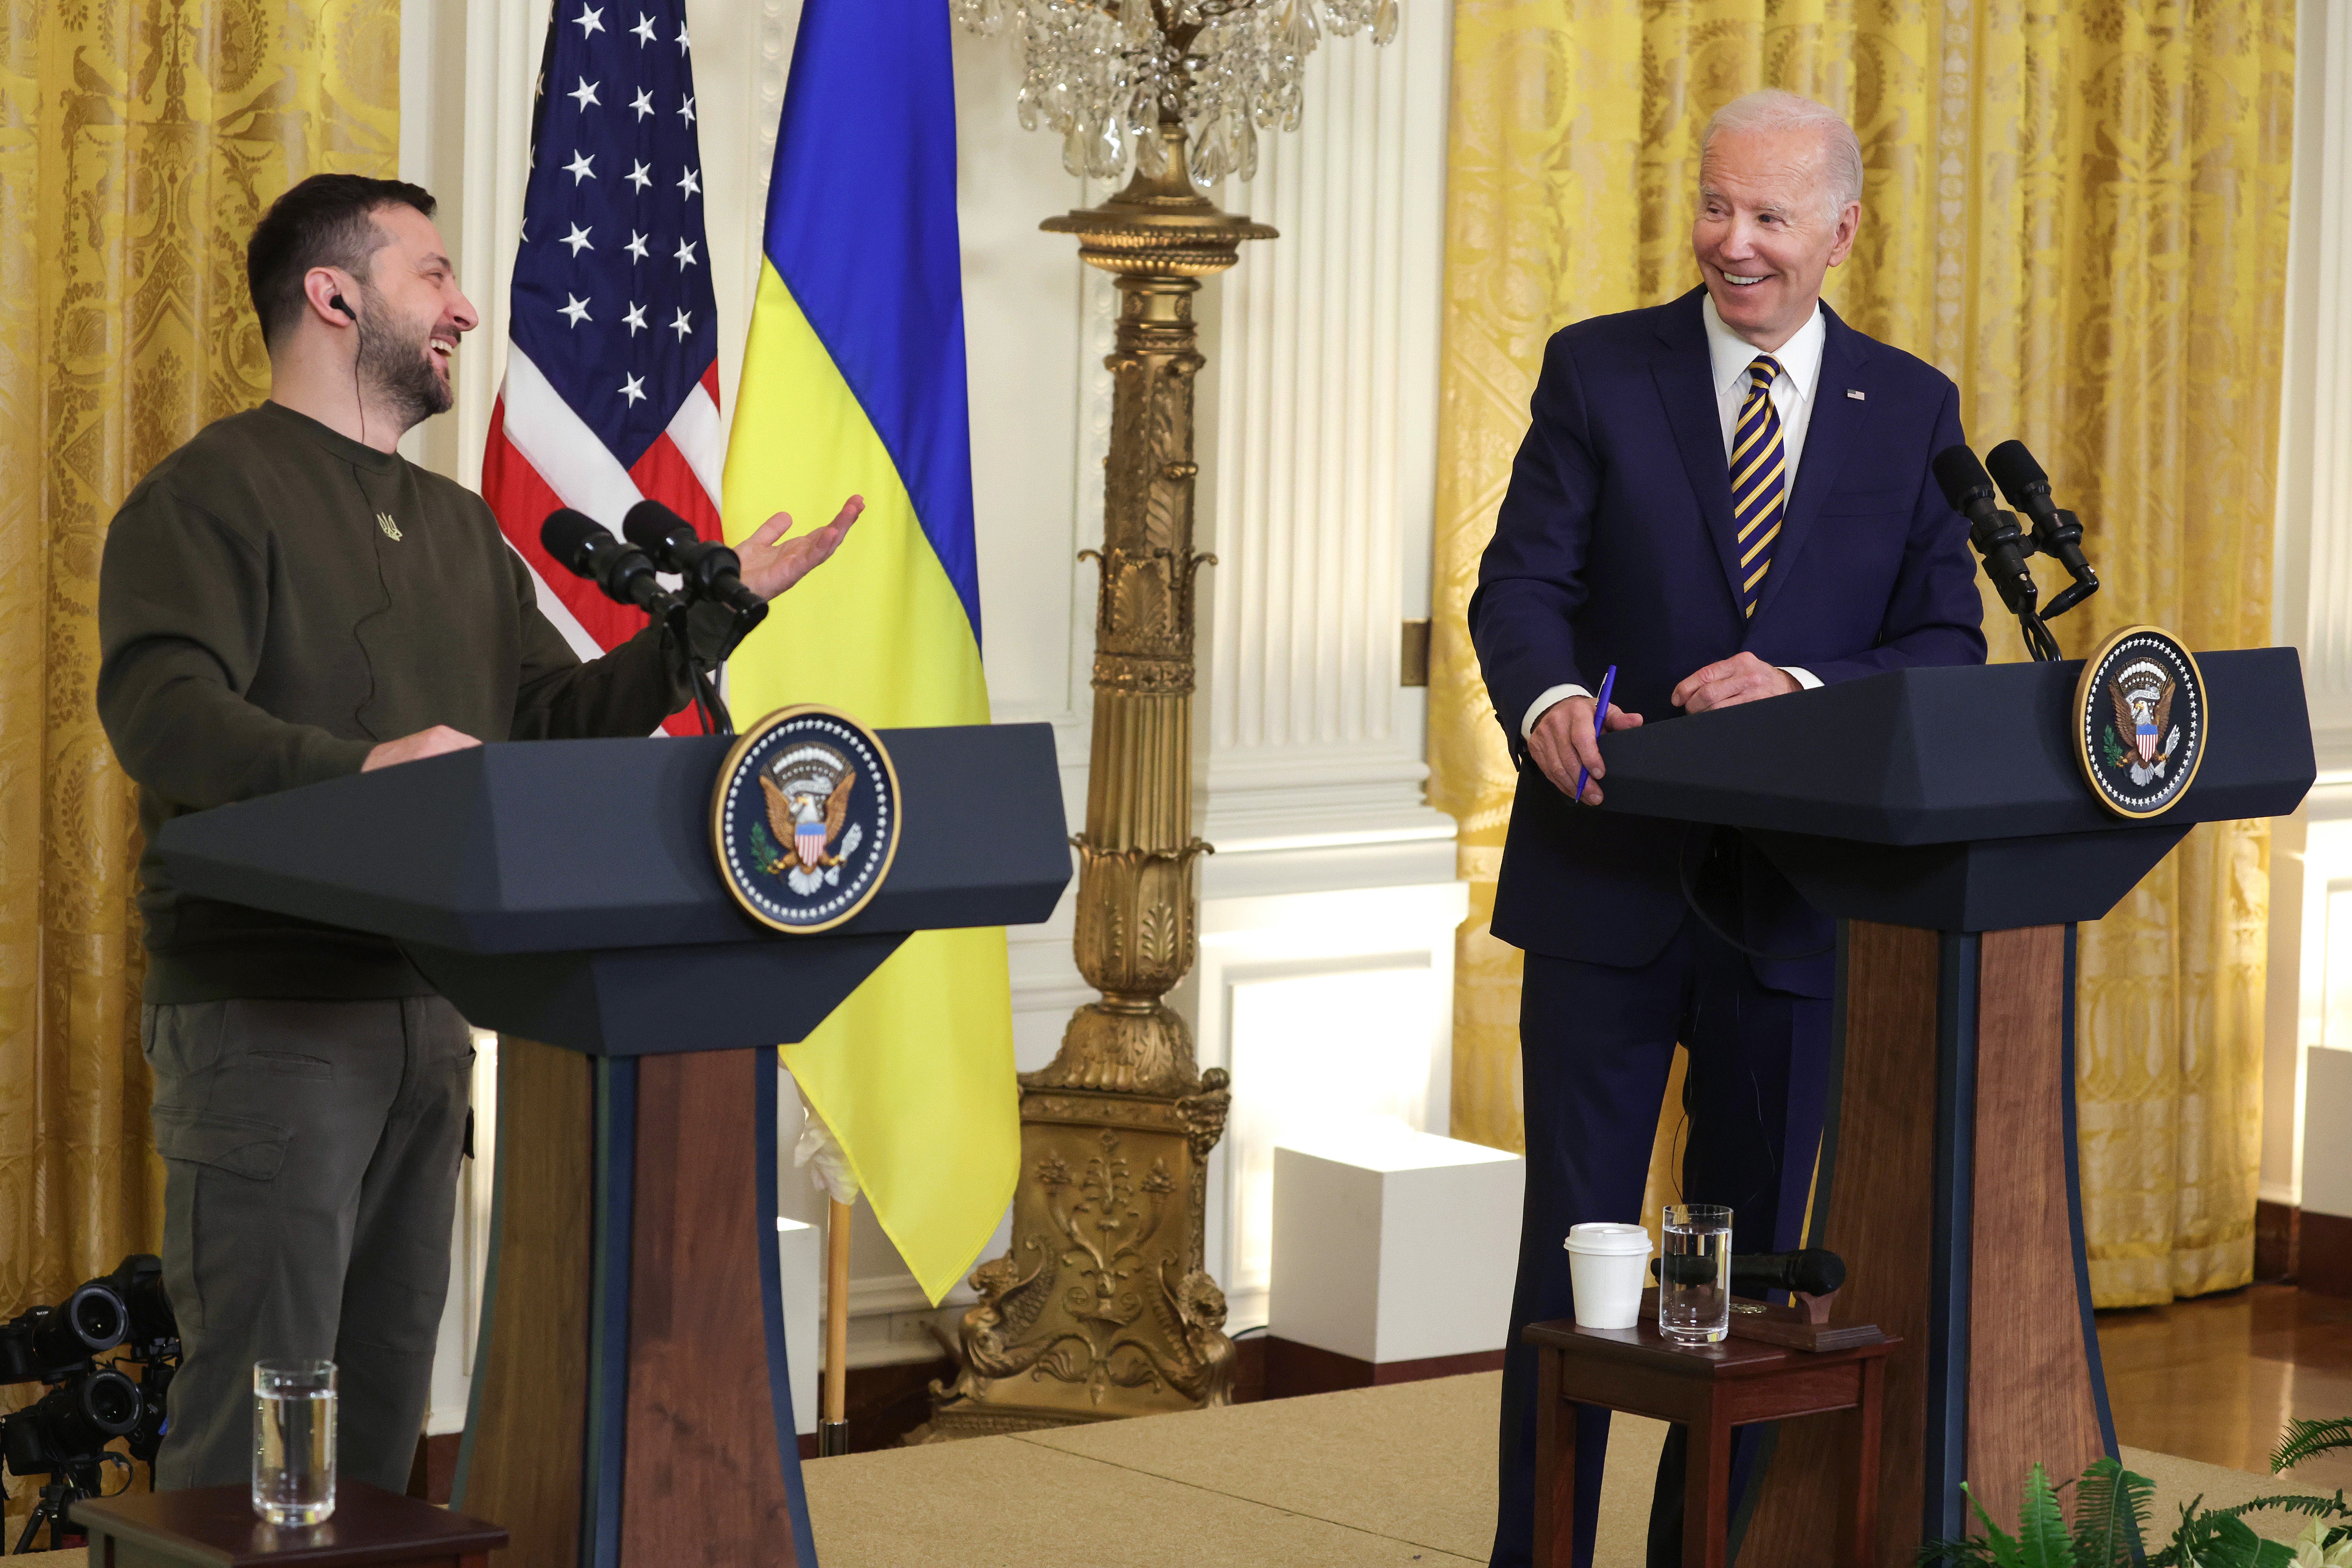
[
  {"x": 2110, "y": 1521},
  {"x": 2302, "y": 1439}
]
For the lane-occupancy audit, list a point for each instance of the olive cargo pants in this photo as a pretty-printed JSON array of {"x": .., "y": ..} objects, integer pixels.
[{"x": 311, "y": 1151}]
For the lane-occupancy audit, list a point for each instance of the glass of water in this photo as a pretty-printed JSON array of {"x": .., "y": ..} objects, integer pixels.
[
  {"x": 294, "y": 1441},
  {"x": 1695, "y": 1273}
]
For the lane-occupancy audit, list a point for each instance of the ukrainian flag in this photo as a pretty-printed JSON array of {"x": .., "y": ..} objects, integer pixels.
[{"x": 854, "y": 383}]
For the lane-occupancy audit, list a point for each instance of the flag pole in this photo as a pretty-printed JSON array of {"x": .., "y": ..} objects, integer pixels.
[{"x": 832, "y": 1420}]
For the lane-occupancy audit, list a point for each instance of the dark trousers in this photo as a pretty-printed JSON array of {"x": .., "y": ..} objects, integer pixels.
[
  {"x": 1595, "y": 1046},
  {"x": 310, "y": 1152}
]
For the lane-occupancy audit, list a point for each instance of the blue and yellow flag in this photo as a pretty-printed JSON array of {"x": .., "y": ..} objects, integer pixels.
[{"x": 854, "y": 383}]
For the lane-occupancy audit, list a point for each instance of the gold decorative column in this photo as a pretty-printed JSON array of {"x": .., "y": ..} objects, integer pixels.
[{"x": 1103, "y": 1307}]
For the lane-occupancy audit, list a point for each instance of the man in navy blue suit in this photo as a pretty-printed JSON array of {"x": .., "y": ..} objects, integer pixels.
[{"x": 1728, "y": 497}]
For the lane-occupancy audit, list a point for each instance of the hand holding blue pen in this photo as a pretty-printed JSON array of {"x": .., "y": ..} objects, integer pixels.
[{"x": 1600, "y": 718}]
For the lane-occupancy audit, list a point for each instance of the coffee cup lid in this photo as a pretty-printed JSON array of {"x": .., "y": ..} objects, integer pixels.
[{"x": 1612, "y": 1240}]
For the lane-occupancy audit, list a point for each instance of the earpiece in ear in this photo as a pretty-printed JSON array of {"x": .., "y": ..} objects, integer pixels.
[{"x": 337, "y": 301}]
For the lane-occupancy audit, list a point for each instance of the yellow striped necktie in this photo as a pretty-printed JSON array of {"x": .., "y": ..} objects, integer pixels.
[{"x": 1758, "y": 481}]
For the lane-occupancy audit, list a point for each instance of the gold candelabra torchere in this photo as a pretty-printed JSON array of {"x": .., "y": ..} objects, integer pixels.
[{"x": 1104, "y": 1306}]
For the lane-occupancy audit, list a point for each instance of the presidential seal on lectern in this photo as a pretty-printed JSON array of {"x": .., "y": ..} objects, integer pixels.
[
  {"x": 2140, "y": 721},
  {"x": 805, "y": 818}
]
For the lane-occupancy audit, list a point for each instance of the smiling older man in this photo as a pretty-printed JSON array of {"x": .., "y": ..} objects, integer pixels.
[{"x": 1726, "y": 498}]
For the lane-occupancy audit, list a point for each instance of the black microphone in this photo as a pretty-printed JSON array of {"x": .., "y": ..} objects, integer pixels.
[
  {"x": 1811, "y": 1269},
  {"x": 1993, "y": 532},
  {"x": 586, "y": 548},
  {"x": 710, "y": 569},
  {"x": 2057, "y": 533}
]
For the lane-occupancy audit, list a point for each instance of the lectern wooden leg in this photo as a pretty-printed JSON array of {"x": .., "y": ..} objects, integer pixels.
[
  {"x": 709, "y": 1481},
  {"x": 1949, "y": 1188},
  {"x": 632, "y": 1406},
  {"x": 1878, "y": 1168},
  {"x": 519, "y": 1465},
  {"x": 2034, "y": 1390}
]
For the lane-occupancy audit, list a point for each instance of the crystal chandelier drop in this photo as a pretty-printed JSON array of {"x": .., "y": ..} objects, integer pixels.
[{"x": 1107, "y": 73}]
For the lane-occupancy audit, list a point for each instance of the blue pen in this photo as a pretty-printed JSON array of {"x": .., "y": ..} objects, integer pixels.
[{"x": 1599, "y": 717}]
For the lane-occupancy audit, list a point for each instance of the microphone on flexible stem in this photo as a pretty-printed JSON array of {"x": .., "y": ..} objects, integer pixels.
[
  {"x": 710, "y": 569},
  {"x": 2057, "y": 533},
  {"x": 1809, "y": 1271},
  {"x": 586, "y": 548},
  {"x": 1997, "y": 539}
]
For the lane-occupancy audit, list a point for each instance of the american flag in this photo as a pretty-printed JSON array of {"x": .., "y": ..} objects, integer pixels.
[{"x": 612, "y": 381}]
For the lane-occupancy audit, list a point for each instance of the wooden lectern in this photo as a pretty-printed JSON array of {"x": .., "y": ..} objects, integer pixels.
[
  {"x": 632, "y": 1405},
  {"x": 1938, "y": 814}
]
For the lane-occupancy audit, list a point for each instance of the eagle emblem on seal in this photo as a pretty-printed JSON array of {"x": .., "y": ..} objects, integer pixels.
[
  {"x": 807, "y": 790},
  {"x": 2143, "y": 737}
]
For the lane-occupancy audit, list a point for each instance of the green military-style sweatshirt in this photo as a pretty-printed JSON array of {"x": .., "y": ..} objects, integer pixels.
[{"x": 275, "y": 600}]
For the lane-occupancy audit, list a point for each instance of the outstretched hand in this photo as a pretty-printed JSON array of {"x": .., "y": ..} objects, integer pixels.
[{"x": 773, "y": 563}]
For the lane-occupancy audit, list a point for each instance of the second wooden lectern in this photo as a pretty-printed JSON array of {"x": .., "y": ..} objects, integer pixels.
[{"x": 1940, "y": 816}]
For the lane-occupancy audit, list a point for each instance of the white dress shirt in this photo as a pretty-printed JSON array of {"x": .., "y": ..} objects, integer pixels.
[{"x": 1792, "y": 391}]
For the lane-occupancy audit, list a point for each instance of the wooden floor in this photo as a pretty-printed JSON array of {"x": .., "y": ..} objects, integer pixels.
[{"x": 2216, "y": 1378}]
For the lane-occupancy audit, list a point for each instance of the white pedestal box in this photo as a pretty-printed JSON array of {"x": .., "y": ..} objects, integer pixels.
[
  {"x": 800, "y": 1252},
  {"x": 2327, "y": 1131},
  {"x": 2323, "y": 1249},
  {"x": 1390, "y": 1246}
]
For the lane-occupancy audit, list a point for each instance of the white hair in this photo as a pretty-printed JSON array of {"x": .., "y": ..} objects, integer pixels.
[{"x": 1770, "y": 109}]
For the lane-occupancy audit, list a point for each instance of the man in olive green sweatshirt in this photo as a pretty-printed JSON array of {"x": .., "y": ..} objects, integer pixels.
[{"x": 285, "y": 599}]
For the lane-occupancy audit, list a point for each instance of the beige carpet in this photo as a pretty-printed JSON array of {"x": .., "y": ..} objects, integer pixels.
[{"x": 1362, "y": 1480}]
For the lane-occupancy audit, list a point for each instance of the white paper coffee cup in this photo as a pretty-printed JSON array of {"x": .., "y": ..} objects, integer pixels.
[{"x": 1608, "y": 1265}]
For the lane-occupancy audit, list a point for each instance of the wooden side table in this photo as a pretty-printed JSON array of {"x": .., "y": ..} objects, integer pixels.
[
  {"x": 1709, "y": 1389},
  {"x": 216, "y": 1526}
]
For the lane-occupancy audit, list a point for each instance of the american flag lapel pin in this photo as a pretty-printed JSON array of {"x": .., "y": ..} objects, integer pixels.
[{"x": 1855, "y": 392}]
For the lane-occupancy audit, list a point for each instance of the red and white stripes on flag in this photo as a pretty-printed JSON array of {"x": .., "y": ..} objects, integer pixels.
[
  {"x": 612, "y": 382},
  {"x": 540, "y": 456}
]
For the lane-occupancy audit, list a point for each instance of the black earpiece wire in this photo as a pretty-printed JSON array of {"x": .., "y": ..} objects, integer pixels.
[{"x": 358, "y": 403}]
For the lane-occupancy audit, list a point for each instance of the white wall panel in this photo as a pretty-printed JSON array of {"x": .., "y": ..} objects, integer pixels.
[{"x": 1321, "y": 471}]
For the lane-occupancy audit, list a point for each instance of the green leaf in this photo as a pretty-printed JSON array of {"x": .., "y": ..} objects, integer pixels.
[
  {"x": 2186, "y": 1541},
  {"x": 2292, "y": 1503},
  {"x": 2110, "y": 1515},
  {"x": 2041, "y": 1529},
  {"x": 2236, "y": 1545},
  {"x": 2002, "y": 1550},
  {"x": 2302, "y": 1439}
]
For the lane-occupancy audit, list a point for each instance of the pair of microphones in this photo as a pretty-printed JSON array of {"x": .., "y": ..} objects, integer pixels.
[
  {"x": 1995, "y": 533},
  {"x": 654, "y": 540}
]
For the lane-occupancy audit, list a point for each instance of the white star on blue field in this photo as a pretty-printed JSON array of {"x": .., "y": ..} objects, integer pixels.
[{"x": 615, "y": 192}]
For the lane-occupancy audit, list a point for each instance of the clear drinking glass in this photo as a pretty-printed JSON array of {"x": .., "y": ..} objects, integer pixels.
[
  {"x": 1695, "y": 1273},
  {"x": 294, "y": 1441}
]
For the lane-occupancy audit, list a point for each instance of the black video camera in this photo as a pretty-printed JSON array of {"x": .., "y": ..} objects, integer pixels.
[{"x": 65, "y": 1435}]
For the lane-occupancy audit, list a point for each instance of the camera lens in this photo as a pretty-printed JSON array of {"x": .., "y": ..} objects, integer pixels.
[{"x": 99, "y": 1318}]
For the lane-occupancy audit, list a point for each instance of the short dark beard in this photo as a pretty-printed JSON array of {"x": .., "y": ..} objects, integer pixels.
[{"x": 397, "y": 366}]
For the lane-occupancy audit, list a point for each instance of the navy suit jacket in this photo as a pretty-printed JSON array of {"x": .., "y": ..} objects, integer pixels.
[{"x": 1615, "y": 545}]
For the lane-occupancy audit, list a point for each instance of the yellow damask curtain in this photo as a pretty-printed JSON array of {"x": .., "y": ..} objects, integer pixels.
[
  {"x": 2076, "y": 208},
  {"x": 140, "y": 139}
]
